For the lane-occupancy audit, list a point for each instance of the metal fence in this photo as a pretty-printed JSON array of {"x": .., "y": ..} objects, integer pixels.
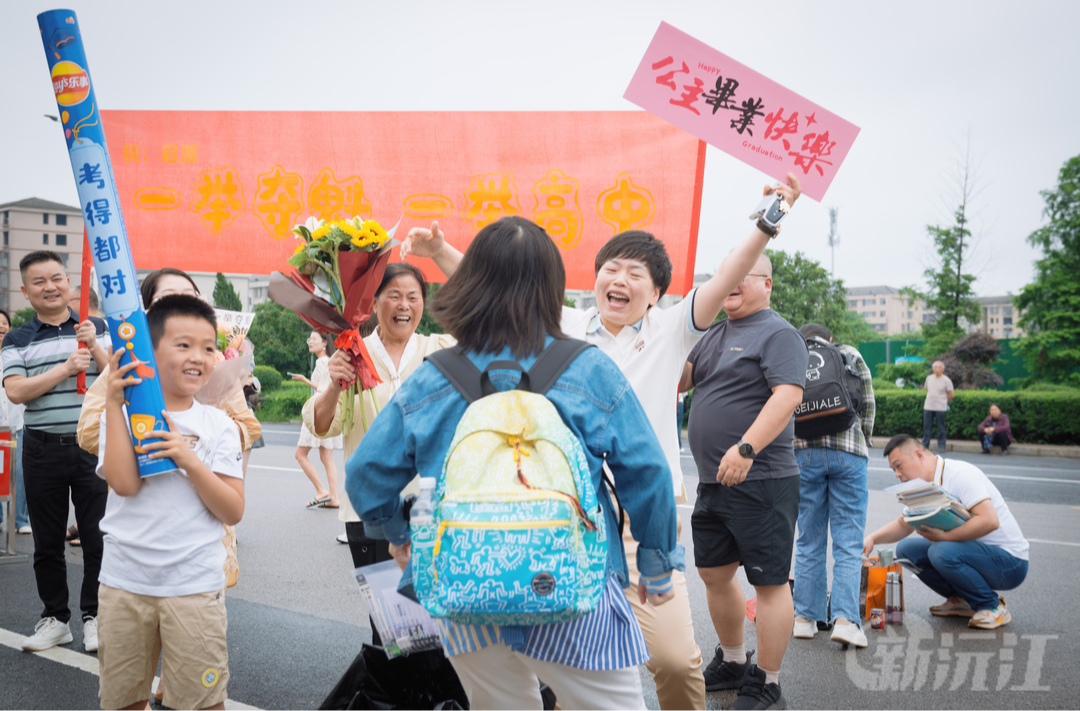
[{"x": 1010, "y": 365}]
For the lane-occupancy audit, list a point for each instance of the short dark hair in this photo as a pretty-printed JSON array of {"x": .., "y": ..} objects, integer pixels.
[
  {"x": 91, "y": 298},
  {"x": 42, "y": 255},
  {"x": 173, "y": 305},
  {"x": 645, "y": 248},
  {"x": 812, "y": 330},
  {"x": 6, "y": 316},
  {"x": 397, "y": 269},
  {"x": 902, "y": 440},
  {"x": 507, "y": 291},
  {"x": 150, "y": 281}
]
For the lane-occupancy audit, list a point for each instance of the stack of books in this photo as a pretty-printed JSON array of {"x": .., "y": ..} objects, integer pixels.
[{"x": 927, "y": 504}]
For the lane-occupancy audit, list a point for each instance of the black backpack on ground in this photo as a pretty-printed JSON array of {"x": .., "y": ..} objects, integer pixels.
[{"x": 834, "y": 394}]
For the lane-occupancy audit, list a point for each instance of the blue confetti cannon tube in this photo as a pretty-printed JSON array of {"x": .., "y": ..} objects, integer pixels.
[{"x": 100, "y": 203}]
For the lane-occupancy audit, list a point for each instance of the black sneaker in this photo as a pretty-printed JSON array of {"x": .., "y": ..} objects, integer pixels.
[
  {"x": 720, "y": 675},
  {"x": 756, "y": 694}
]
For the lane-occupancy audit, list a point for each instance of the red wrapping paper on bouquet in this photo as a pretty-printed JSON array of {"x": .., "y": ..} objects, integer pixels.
[{"x": 361, "y": 274}]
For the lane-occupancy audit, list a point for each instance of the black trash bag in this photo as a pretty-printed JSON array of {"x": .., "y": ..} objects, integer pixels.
[{"x": 424, "y": 680}]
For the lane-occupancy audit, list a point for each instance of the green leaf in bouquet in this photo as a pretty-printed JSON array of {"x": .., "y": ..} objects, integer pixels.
[
  {"x": 303, "y": 232},
  {"x": 299, "y": 259}
]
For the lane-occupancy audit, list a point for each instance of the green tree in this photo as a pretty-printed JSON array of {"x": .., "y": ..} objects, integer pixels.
[
  {"x": 949, "y": 291},
  {"x": 280, "y": 339},
  {"x": 969, "y": 362},
  {"x": 22, "y": 316},
  {"x": 804, "y": 292},
  {"x": 1051, "y": 303},
  {"x": 225, "y": 296},
  {"x": 858, "y": 330},
  {"x": 428, "y": 325}
]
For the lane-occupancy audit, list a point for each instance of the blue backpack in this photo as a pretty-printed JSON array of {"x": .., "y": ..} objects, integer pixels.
[{"x": 518, "y": 536}]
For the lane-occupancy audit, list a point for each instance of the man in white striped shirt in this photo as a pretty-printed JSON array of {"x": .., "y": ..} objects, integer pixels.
[{"x": 42, "y": 360}]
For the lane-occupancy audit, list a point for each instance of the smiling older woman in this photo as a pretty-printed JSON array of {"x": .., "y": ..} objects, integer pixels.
[{"x": 397, "y": 350}]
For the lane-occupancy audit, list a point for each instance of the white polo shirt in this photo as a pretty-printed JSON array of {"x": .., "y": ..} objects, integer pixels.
[
  {"x": 970, "y": 486},
  {"x": 651, "y": 354}
]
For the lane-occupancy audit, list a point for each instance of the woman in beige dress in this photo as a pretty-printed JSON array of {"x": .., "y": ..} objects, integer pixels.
[{"x": 397, "y": 350}]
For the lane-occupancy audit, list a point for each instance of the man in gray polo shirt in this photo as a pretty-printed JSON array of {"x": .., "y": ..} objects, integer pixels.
[
  {"x": 748, "y": 373},
  {"x": 42, "y": 360}
]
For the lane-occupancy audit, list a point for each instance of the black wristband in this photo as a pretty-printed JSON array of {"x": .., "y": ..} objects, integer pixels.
[{"x": 767, "y": 228}]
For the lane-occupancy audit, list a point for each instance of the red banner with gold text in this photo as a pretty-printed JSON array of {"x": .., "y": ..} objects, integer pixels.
[{"x": 219, "y": 191}]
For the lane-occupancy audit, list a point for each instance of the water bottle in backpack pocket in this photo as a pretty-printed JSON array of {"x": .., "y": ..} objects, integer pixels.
[{"x": 519, "y": 535}]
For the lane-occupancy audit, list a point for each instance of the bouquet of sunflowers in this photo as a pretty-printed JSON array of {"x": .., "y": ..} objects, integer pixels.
[{"x": 337, "y": 266}]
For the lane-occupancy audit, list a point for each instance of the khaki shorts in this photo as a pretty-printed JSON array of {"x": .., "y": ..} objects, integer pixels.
[{"x": 188, "y": 632}]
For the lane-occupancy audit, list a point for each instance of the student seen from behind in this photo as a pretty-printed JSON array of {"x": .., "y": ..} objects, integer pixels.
[{"x": 162, "y": 577}]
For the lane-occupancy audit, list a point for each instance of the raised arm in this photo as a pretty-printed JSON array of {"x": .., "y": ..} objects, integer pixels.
[
  {"x": 423, "y": 242},
  {"x": 710, "y": 295}
]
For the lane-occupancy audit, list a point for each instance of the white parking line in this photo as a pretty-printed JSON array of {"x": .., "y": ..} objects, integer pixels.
[
  {"x": 1005, "y": 476},
  {"x": 1054, "y": 543},
  {"x": 1033, "y": 478},
  {"x": 65, "y": 656},
  {"x": 276, "y": 469},
  {"x": 78, "y": 660}
]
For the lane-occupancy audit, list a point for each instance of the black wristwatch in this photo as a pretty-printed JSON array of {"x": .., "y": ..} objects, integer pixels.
[
  {"x": 746, "y": 449},
  {"x": 771, "y": 230}
]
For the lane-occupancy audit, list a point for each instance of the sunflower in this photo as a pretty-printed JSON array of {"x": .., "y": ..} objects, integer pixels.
[
  {"x": 363, "y": 237},
  {"x": 377, "y": 230}
]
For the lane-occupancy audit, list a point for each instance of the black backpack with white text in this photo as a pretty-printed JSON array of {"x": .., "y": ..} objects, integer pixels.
[{"x": 834, "y": 395}]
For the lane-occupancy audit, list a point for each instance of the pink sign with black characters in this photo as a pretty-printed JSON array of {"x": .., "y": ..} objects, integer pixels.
[{"x": 741, "y": 112}]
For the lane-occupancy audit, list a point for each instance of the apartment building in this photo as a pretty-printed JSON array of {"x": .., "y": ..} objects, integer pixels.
[
  {"x": 886, "y": 310},
  {"x": 33, "y": 224},
  {"x": 999, "y": 317},
  {"x": 30, "y": 225}
]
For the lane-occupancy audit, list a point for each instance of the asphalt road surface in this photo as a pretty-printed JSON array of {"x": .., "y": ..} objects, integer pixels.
[{"x": 295, "y": 621}]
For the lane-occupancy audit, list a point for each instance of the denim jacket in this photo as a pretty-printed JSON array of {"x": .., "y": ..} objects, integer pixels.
[{"x": 413, "y": 432}]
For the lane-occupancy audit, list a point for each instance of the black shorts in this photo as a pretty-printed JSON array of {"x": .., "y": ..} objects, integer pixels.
[{"x": 752, "y": 524}]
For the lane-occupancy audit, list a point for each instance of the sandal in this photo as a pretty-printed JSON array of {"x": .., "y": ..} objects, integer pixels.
[
  {"x": 317, "y": 502},
  {"x": 327, "y": 505},
  {"x": 72, "y": 533}
]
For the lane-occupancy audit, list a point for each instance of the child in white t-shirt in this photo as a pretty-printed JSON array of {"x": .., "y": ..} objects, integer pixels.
[{"x": 162, "y": 572}]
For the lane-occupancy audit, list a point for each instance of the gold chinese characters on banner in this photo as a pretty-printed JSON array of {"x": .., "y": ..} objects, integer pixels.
[{"x": 201, "y": 191}]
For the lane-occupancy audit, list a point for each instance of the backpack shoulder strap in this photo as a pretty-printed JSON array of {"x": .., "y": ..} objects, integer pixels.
[
  {"x": 460, "y": 371},
  {"x": 555, "y": 359}
]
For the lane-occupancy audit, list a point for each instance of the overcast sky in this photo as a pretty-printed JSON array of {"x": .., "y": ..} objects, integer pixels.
[{"x": 919, "y": 78}]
